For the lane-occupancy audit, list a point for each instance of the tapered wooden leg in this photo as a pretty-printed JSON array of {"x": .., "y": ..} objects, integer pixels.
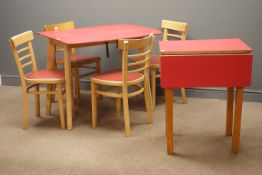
[
  {"x": 69, "y": 91},
  {"x": 54, "y": 86},
  {"x": 61, "y": 106},
  {"x": 77, "y": 85},
  {"x": 48, "y": 101},
  {"x": 118, "y": 102},
  {"x": 53, "y": 95},
  {"x": 98, "y": 66},
  {"x": 25, "y": 110},
  {"x": 94, "y": 104},
  {"x": 183, "y": 94},
  {"x": 153, "y": 87},
  {"x": 148, "y": 102},
  {"x": 37, "y": 102},
  {"x": 237, "y": 119},
  {"x": 126, "y": 111},
  {"x": 169, "y": 120},
  {"x": 50, "y": 65},
  {"x": 73, "y": 100},
  {"x": 230, "y": 106}
]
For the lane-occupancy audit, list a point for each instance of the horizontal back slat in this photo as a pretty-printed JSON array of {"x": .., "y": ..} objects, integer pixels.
[
  {"x": 27, "y": 64},
  {"x": 175, "y": 35},
  {"x": 137, "y": 70},
  {"x": 137, "y": 63},
  {"x": 22, "y": 38},
  {"x": 23, "y": 50},
  {"x": 24, "y": 57},
  {"x": 139, "y": 54},
  {"x": 134, "y": 44},
  {"x": 174, "y": 25},
  {"x": 61, "y": 26}
]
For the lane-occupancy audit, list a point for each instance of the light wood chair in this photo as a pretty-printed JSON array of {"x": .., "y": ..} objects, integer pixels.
[
  {"x": 176, "y": 30},
  {"x": 23, "y": 52},
  {"x": 77, "y": 61},
  {"x": 134, "y": 73}
]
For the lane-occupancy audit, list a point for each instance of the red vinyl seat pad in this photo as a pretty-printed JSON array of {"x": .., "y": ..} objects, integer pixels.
[
  {"x": 45, "y": 75},
  {"x": 116, "y": 76}
]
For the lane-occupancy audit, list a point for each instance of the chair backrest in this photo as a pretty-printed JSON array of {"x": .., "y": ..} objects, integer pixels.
[
  {"x": 180, "y": 29},
  {"x": 61, "y": 26},
  {"x": 23, "y": 52},
  {"x": 135, "y": 55}
]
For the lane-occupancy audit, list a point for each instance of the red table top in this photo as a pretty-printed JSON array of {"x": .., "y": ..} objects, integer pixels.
[
  {"x": 209, "y": 46},
  {"x": 205, "y": 63},
  {"x": 99, "y": 34}
]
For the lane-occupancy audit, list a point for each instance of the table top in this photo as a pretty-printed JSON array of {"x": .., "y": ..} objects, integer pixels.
[
  {"x": 99, "y": 34},
  {"x": 208, "y": 46}
]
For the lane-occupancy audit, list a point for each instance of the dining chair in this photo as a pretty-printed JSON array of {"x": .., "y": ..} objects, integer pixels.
[
  {"x": 32, "y": 78},
  {"x": 134, "y": 73},
  {"x": 176, "y": 30},
  {"x": 77, "y": 61}
]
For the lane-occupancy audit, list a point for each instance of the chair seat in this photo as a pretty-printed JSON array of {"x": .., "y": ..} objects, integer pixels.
[
  {"x": 79, "y": 59},
  {"x": 45, "y": 76},
  {"x": 115, "y": 76},
  {"x": 154, "y": 60}
]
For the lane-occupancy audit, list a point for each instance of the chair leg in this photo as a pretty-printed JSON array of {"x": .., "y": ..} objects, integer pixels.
[
  {"x": 98, "y": 66},
  {"x": 98, "y": 70},
  {"x": 25, "y": 110},
  {"x": 183, "y": 93},
  {"x": 153, "y": 87},
  {"x": 61, "y": 107},
  {"x": 53, "y": 95},
  {"x": 54, "y": 86},
  {"x": 94, "y": 104},
  {"x": 77, "y": 85},
  {"x": 37, "y": 102},
  {"x": 126, "y": 111},
  {"x": 118, "y": 103},
  {"x": 148, "y": 100},
  {"x": 48, "y": 100}
]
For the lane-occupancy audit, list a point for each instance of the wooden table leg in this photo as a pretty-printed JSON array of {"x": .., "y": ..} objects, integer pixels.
[
  {"x": 230, "y": 106},
  {"x": 50, "y": 65},
  {"x": 69, "y": 90},
  {"x": 237, "y": 119},
  {"x": 169, "y": 120}
]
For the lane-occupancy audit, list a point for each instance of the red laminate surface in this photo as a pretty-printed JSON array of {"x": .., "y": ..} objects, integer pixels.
[
  {"x": 99, "y": 34},
  {"x": 206, "y": 71},
  {"x": 208, "y": 46},
  {"x": 205, "y": 63}
]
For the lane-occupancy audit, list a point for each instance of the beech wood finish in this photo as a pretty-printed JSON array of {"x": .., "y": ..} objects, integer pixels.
[
  {"x": 134, "y": 73},
  {"x": 77, "y": 61},
  {"x": 83, "y": 37},
  {"x": 23, "y": 52},
  {"x": 169, "y": 27}
]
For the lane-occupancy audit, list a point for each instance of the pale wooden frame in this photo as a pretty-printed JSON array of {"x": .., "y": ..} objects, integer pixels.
[
  {"x": 167, "y": 26},
  {"x": 144, "y": 46},
  {"x": 75, "y": 67},
  {"x": 25, "y": 39}
]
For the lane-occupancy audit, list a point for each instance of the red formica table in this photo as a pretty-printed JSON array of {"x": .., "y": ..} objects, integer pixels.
[
  {"x": 207, "y": 63},
  {"x": 83, "y": 37}
]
